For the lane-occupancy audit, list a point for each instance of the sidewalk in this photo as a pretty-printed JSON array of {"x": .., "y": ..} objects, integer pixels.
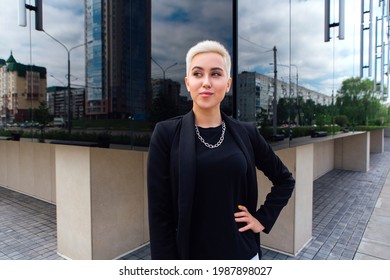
[
  {"x": 28, "y": 228},
  {"x": 349, "y": 216},
  {"x": 351, "y": 219},
  {"x": 376, "y": 239}
]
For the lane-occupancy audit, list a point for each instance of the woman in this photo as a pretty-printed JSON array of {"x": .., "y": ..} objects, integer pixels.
[{"x": 202, "y": 186}]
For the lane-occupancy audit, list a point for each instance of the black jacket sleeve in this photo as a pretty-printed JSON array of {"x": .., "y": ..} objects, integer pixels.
[
  {"x": 162, "y": 224},
  {"x": 282, "y": 180}
]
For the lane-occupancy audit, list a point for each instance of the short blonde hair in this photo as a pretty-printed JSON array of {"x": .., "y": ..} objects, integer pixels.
[{"x": 208, "y": 46}]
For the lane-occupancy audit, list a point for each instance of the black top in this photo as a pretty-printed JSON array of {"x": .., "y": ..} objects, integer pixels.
[{"x": 220, "y": 182}]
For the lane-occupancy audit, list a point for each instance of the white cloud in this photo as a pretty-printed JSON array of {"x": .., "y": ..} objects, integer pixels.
[{"x": 64, "y": 20}]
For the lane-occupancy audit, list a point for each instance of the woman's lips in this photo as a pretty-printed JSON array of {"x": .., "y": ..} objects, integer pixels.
[{"x": 206, "y": 93}]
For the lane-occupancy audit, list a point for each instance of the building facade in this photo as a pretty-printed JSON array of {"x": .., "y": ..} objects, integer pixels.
[
  {"x": 22, "y": 88},
  {"x": 118, "y": 59},
  {"x": 57, "y": 102},
  {"x": 256, "y": 91},
  {"x": 166, "y": 87}
]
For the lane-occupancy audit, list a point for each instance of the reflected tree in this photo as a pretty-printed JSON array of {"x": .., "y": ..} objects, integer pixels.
[
  {"x": 358, "y": 102},
  {"x": 42, "y": 115}
]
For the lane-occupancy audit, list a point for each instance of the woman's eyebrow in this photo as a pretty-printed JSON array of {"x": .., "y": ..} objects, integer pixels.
[{"x": 213, "y": 68}]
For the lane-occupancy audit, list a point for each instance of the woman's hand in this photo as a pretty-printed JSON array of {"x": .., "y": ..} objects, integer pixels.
[{"x": 251, "y": 222}]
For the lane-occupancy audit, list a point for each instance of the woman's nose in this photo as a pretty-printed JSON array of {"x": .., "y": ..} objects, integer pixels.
[{"x": 206, "y": 82}]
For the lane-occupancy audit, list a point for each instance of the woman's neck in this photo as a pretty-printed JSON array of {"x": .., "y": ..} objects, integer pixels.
[{"x": 207, "y": 118}]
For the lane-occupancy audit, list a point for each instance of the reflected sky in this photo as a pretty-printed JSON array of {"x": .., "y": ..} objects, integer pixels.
[
  {"x": 177, "y": 25},
  {"x": 64, "y": 20},
  {"x": 262, "y": 24}
]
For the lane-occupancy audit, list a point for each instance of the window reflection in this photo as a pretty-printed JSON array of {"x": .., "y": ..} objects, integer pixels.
[
  {"x": 135, "y": 53},
  {"x": 277, "y": 32},
  {"x": 176, "y": 26},
  {"x": 117, "y": 68},
  {"x": 137, "y": 58}
]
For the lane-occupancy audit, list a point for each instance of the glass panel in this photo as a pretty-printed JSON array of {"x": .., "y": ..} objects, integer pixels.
[
  {"x": 135, "y": 51},
  {"x": 289, "y": 34},
  {"x": 176, "y": 26},
  {"x": 93, "y": 53}
]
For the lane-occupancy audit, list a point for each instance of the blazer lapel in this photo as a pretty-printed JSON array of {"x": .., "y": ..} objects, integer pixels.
[{"x": 187, "y": 173}]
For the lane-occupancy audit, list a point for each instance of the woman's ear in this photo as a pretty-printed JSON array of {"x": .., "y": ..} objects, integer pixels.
[
  {"x": 229, "y": 84},
  {"x": 186, "y": 82}
]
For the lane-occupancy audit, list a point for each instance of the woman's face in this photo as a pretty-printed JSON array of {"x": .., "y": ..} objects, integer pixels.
[{"x": 207, "y": 81}]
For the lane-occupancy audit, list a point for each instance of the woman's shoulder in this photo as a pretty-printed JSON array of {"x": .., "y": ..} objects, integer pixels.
[
  {"x": 170, "y": 122},
  {"x": 177, "y": 121},
  {"x": 168, "y": 127}
]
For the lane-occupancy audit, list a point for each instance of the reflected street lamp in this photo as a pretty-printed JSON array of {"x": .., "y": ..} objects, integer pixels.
[
  {"x": 55, "y": 78},
  {"x": 68, "y": 76},
  {"x": 297, "y": 88},
  {"x": 163, "y": 69},
  {"x": 164, "y": 89}
]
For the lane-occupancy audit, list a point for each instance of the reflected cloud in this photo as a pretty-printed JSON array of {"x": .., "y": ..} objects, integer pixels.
[
  {"x": 64, "y": 19},
  {"x": 264, "y": 24},
  {"x": 177, "y": 25}
]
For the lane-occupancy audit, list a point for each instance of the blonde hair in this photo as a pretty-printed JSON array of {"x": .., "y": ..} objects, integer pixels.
[{"x": 208, "y": 46}]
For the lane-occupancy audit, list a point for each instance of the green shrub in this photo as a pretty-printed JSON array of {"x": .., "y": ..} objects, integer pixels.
[{"x": 341, "y": 120}]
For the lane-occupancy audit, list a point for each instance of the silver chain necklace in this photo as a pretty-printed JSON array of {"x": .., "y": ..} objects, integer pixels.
[{"x": 211, "y": 146}]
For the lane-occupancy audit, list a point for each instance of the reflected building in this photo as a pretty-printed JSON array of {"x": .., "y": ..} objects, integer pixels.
[
  {"x": 124, "y": 36},
  {"x": 165, "y": 99},
  {"x": 118, "y": 58},
  {"x": 57, "y": 101},
  {"x": 22, "y": 88},
  {"x": 166, "y": 87},
  {"x": 255, "y": 95},
  {"x": 134, "y": 45}
]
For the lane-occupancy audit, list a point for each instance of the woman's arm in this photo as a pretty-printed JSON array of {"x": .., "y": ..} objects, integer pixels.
[{"x": 283, "y": 182}]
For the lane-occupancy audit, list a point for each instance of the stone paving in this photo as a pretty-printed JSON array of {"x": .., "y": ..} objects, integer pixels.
[
  {"x": 27, "y": 228},
  {"x": 375, "y": 244},
  {"x": 343, "y": 205}
]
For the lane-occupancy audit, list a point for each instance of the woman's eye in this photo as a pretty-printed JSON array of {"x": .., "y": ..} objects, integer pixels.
[
  {"x": 216, "y": 74},
  {"x": 197, "y": 74}
]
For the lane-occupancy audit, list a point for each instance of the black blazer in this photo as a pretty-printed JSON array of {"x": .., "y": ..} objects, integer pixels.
[{"x": 171, "y": 182}]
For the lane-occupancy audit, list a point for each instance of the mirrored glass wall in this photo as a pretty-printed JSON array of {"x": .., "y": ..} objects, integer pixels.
[
  {"x": 285, "y": 74},
  {"x": 176, "y": 26},
  {"x": 288, "y": 76}
]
